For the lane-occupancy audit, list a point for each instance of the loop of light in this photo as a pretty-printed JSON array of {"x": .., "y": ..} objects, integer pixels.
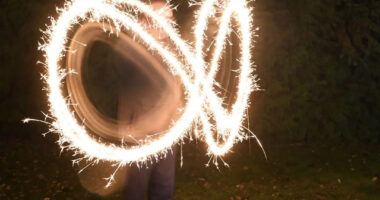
[{"x": 198, "y": 77}]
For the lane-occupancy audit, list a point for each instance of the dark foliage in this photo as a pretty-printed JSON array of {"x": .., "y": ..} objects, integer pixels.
[
  {"x": 20, "y": 85},
  {"x": 319, "y": 67}
]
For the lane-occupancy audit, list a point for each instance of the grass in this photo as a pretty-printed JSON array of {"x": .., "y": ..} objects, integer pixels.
[
  {"x": 32, "y": 168},
  {"x": 291, "y": 172}
]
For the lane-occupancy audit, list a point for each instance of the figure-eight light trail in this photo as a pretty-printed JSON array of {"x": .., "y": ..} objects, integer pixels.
[{"x": 203, "y": 108}]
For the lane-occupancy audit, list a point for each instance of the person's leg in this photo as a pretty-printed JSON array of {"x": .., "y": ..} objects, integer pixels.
[
  {"x": 137, "y": 182},
  {"x": 161, "y": 185}
]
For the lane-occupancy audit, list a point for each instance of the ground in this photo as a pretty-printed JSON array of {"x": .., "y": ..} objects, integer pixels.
[{"x": 32, "y": 167}]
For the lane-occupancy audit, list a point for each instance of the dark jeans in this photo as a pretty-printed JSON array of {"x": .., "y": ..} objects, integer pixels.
[{"x": 158, "y": 178}]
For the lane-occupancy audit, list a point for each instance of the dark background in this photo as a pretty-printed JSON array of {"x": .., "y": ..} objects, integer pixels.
[{"x": 319, "y": 67}]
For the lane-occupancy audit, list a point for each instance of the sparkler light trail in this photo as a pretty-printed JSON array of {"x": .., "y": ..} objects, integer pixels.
[{"x": 203, "y": 108}]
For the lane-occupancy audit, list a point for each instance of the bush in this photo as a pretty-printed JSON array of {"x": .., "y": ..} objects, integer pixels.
[{"x": 319, "y": 67}]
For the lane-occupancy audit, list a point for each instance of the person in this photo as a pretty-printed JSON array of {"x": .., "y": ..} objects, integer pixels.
[{"x": 156, "y": 179}]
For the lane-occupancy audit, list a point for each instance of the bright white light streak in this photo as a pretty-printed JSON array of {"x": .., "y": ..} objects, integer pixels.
[
  {"x": 225, "y": 121},
  {"x": 202, "y": 101}
]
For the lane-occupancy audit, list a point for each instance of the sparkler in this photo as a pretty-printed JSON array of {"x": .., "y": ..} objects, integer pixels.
[{"x": 203, "y": 105}]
